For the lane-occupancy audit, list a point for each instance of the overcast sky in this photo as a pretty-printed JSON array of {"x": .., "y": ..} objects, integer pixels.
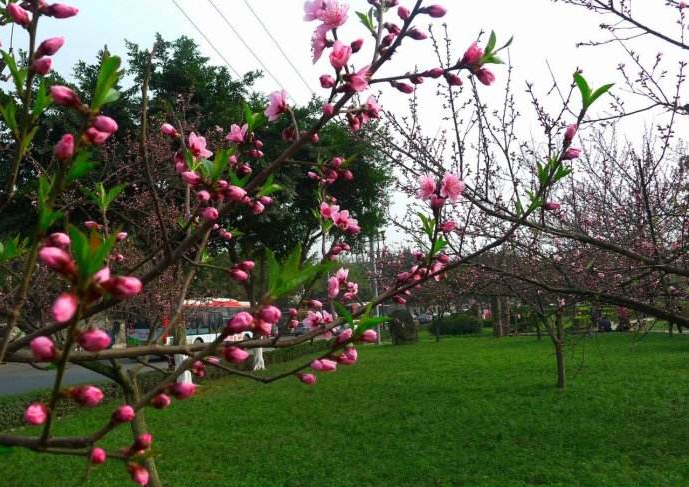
[{"x": 543, "y": 31}]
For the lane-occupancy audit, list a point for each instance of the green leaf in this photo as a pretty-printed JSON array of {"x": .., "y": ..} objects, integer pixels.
[
  {"x": 79, "y": 246},
  {"x": 107, "y": 78},
  {"x": 113, "y": 193},
  {"x": 9, "y": 114},
  {"x": 492, "y": 40},
  {"x": 342, "y": 311},
  {"x": 291, "y": 266},
  {"x": 438, "y": 246},
  {"x": 584, "y": 88},
  {"x": 372, "y": 322},
  {"x": 599, "y": 92},
  {"x": 42, "y": 101},
  {"x": 273, "y": 270},
  {"x": 367, "y": 20},
  {"x": 6, "y": 450},
  {"x": 18, "y": 76}
]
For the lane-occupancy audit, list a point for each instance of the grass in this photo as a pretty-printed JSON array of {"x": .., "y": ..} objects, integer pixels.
[{"x": 473, "y": 412}]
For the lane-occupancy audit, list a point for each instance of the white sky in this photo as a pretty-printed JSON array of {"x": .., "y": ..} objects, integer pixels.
[{"x": 542, "y": 31}]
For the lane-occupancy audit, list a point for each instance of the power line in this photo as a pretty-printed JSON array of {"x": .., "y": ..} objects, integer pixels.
[
  {"x": 248, "y": 47},
  {"x": 207, "y": 40},
  {"x": 277, "y": 44}
]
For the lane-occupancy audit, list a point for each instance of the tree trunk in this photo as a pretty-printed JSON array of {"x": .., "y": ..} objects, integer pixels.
[
  {"x": 559, "y": 352},
  {"x": 138, "y": 425}
]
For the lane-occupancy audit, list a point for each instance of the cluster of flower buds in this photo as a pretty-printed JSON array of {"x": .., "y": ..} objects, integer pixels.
[
  {"x": 20, "y": 12},
  {"x": 261, "y": 321},
  {"x": 341, "y": 219},
  {"x": 473, "y": 60},
  {"x": 358, "y": 116},
  {"x": 451, "y": 187},
  {"x": 337, "y": 249},
  {"x": 55, "y": 255},
  {"x": 338, "y": 280},
  {"x": 240, "y": 272},
  {"x": 327, "y": 174},
  {"x": 417, "y": 272}
]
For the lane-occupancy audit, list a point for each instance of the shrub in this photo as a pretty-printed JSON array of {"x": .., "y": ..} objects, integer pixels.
[{"x": 457, "y": 324}]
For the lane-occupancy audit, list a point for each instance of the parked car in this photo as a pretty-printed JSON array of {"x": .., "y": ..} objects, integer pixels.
[{"x": 424, "y": 318}]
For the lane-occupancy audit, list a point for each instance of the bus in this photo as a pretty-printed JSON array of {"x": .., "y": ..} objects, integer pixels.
[{"x": 204, "y": 320}]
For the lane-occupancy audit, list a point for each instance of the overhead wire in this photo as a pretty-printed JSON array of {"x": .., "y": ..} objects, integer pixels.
[
  {"x": 246, "y": 44},
  {"x": 198, "y": 29},
  {"x": 277, "y": 44}
]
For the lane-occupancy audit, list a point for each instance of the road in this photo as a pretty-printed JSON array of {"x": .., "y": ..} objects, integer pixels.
[{"x": 18, "y": 378}]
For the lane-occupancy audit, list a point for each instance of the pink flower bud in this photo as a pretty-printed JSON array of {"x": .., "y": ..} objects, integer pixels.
[
  {"x": 257, "y": 208},
  {"x": 43, "y": 349},
  {"x": 434, "y": 72},
  {"x": 247, "y": 265},
  {"x": 315, "y": 304},
  {"x": 571, "y": 153},
  {"x": 121, "y": 236},
  {"x": 97, "y": 456},
  {"x": 473, "y": 55},
  {"x": 239, "y": 275},
  {"x": 210, "y": 213},
  {"x": 37, "y": 413},
  {"x": 327, "y": 81},
  {"x": 293, "y": 313},
  {"x": 138, "y": 474},
  {"x": 416, "y": 34},
  {"x": 403, "y": 87},
  {"x": 271, "y": 314},
  {"x": 50, "y": 46},
  {"x": 183, "y": 390},
  {"x": 435, "y": 11},
  {"x": 485, "y": 76},
  {"x": 235, "y": 355},
  {"x": 123, "y": 414},
  {"x": 453, "y": 79},
  {"x": 95, "y": 136},
  {"x": 105, "y": 124},
  {"x": 168, "y": 130},
  {"x": 551, "y": 205},
  {"x": 240, "y": 322},
  {"x": 571, "y": 132},
  {"x": 345, "y": 336},
  {"x": 143, "y": 442},
  {"x": 161, "y": 401},
  {"x": 356, "y": 45},
  {"x": 18, "y": 14},
  {"x": 88, "y": 396},
  {"x": 59, "y": 240},
  {"x": 203, "y": 196},
  {"x": 191, "y": 178},
  {"x": 64, "y": 149},
  {"x": 60, "y": 11},
  {"x": 324, "y": 365},
  {"x": 308, "y": 379},
  {"x": 42, "y": 65},
  {"x": 369, "y": 336},
  {"x": 235, "y": 193},
  {"x": 57, "y": 259},
  {"x": 94, "y": 340},
  {"x": 348, "y": 357},
  {"x": 263, "y": 327},
  {"x": 123, "y": 287},
  {"x": 64, "y": 96},
  {"x": 403, "y": 12},
  {"x": 64, "y": 307}
]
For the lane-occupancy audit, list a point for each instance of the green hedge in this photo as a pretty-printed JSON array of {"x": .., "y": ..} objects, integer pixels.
[
  {"x": 12, "y": 407},
  {"x": 457, "y": 324}
]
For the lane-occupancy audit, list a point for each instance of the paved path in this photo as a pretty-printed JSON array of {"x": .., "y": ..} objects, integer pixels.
[{"x": 18, "y": 378}]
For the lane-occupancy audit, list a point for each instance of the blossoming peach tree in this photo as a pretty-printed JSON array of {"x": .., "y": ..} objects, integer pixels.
[{"x": 84, "y": 259}]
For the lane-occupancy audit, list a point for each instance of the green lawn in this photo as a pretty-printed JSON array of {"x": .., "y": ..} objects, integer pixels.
[{"x": 473, "y": 412}]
